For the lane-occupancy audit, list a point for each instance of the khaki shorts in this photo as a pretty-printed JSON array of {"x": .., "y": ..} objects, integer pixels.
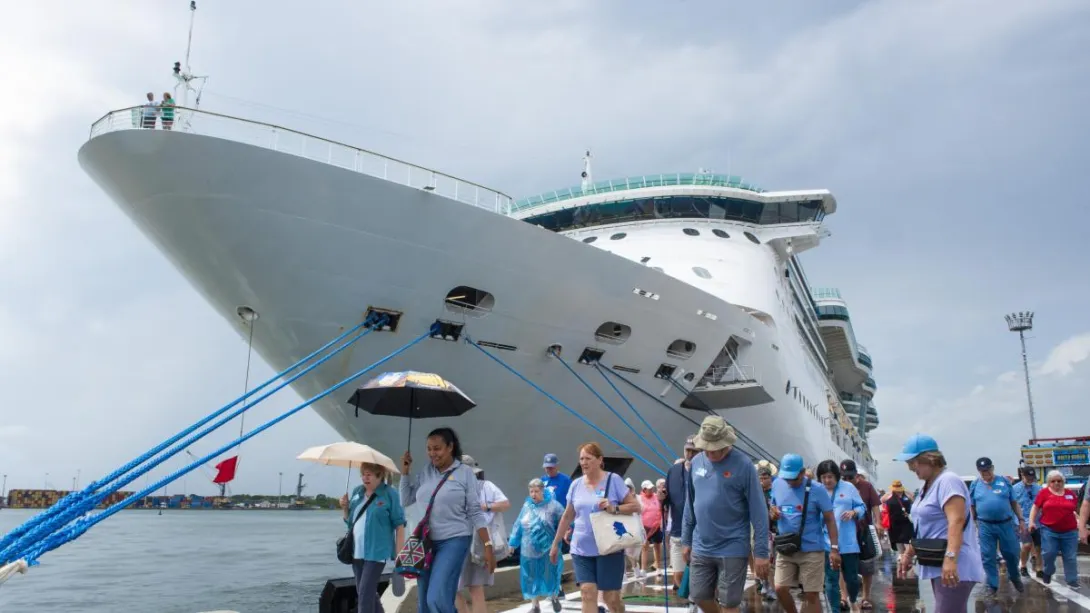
[
  {"x": 806, "y": 568},
  {"x": 677, "y": 558}
]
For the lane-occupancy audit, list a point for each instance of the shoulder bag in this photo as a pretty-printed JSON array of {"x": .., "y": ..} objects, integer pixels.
[
  {"x": 613, "y": 533},
  {"x": 931, "y": 552},
  {"x": 415, "y": 554},
  {"x": 790, "y": 543},
  {"x": 346, "y": 545}
]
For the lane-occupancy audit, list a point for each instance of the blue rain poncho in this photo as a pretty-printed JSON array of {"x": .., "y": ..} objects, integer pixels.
[{"x": 534, "y": 532}]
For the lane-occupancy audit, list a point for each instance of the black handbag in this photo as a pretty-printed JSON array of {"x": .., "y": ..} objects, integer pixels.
[
  {"x": 346, "y": 545},
  {"x": 790, "y": 543},
  {"x": 868, "y": 549}
]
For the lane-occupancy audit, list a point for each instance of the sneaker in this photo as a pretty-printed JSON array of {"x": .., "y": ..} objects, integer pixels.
[
  {"x": 556, "y": 604},
  {"x": 1041, "y": 575},
  {"x": 1046, "y": 578},
  {"x": 1019, "y": 586},
  {"x": 991, "y": 592},
  {"x": 535, "y": 608},
  {"x": 1024, "y": 571}
]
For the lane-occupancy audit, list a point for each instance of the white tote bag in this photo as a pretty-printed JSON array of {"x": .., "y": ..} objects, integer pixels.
[{"x": 613, "y": 533}]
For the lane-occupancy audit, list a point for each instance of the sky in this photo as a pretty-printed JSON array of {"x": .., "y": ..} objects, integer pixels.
[{"x": 952, "y": 134}]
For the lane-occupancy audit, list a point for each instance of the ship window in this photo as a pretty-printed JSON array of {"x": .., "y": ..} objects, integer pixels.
[
  {"x": 702, "y": 272},
  {"x": 787, "y": 390},
  {"x": 645, "y": 259},
  {"x": 613, "y": 333},
  {"x": 720, "y": 233},
  {"x": 618, "y": 236},
  {"x": 590, "y": 239},
  {"x": 691, "y": 231},
  {"x": 681, "y": 348},
  {"x": 752, "y": 239},
  {"x": 469, "y": 300},
  {"x": 689, "y": 376}
]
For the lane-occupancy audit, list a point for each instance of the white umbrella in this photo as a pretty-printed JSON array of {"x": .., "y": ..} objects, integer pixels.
[{"x": 348, "y": 454}]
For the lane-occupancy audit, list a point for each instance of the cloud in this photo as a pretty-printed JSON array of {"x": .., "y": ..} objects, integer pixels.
[{"x": 990, "y": 418}]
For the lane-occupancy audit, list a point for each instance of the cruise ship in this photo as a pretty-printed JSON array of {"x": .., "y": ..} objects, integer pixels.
[{"x": 687, "y": 288}]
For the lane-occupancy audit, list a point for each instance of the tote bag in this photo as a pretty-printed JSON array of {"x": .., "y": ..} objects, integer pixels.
[{"x": 613, "y": 533}]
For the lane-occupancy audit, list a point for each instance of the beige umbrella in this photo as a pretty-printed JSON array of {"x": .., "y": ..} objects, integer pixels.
[{"x": 348, "y": 454}]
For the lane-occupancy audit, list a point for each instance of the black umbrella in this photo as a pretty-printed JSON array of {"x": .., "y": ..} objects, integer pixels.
[{"x": 410, "y": 394}]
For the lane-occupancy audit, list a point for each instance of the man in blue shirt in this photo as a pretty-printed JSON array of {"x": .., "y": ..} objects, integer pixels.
[
  {"x": 554, "y": 480},
  {"x": 993, "y": 506},
  {"x": 807, "y": 566},
  {"x": 726, "y": 499},
  {"x": 1025, "y": 492},
  {"x": 677, "y": 492}
]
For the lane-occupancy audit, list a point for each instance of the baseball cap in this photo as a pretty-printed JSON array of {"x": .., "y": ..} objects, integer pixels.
[
  {"x": 791, "y": 466},
  {"x": 848, "y": 469},
  {"x": 690, "y": 442},
  {"x": 628, "y": 482},
  {"x": 550, "y": 461},
  {"x": 1029, "y": 471},
  {"x": 647, "y": 485},
  {"x": 984, "y": 464},
  {"x": 470, "y": 462},
  {"x": 915, "y": 445}
]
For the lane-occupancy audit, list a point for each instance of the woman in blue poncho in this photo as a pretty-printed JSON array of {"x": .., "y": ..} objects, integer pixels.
[{"x": 534, "y": 532}]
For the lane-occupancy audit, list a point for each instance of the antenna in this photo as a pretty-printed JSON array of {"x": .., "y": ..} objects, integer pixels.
[
  {"x": 185, "y": 77},
  {"x": 588, "y": 180}
]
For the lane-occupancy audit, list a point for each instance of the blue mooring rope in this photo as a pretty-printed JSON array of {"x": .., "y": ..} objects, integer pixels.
[
  {"x": 566, "y": 407},
  {"x": 598, "y": 367},
  {"x": 75, "y": 498},
  {"x": 614, "y": 411},
  {"x": 77, "y": 528}
]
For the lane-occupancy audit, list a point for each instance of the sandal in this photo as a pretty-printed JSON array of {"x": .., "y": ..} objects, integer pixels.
[{"x": 866, "y": 605}]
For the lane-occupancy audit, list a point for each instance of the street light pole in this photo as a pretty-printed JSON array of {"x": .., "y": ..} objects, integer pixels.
[{"x": 1020, "y": 322}]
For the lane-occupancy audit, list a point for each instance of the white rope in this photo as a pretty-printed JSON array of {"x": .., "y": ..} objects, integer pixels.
[{"x": 8, "y": 570}]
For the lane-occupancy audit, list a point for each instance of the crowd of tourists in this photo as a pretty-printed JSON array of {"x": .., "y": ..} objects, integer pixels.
[{"x": 803, "y": 531}]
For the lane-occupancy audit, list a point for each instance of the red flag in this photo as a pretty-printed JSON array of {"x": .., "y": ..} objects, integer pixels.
[{"x": 226, "y": 470}]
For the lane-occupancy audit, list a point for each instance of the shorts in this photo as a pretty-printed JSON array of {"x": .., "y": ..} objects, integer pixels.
[
  {"x": 725, "y": 576},
  {"x": 605, "y": 572},
  {"x": 867, "y": 568},
  {"x": 1028, "y": 537},
  {"x": 806, "y": 568},
  {"x": 654, "y": 538},
  {"x": 677, "y": 556}
]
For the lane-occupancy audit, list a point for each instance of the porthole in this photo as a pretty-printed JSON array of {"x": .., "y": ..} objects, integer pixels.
[
  {"x": 613, "y": 333},
  {"x": 469, "y": 300},
  {"x": 702, "y": 272},
  {"x": 691, "y": 231},
  {"x": 618, "y": 236},
  {"x": 689, "y": 376},
  {"x": 681, "y": 348},
  {"x": 752, "y": 239},
  {"x": 590, "y": 239},
  {"x": 720, "y": 233}
]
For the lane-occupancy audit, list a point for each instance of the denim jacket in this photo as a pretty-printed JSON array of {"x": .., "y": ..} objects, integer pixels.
[{"x": 383, "y": 517}]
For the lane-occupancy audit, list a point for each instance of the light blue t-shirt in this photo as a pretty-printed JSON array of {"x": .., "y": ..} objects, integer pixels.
[
  {"x": 992, "y": 501},
  {"x": 929, "y": 519},
  {"x": 789, "y": 502},
  {"x": 1025, "y": 495},
  {"x": 845, "y": 498}
]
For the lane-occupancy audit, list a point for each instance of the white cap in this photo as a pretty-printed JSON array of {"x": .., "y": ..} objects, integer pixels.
[
  {"x": 628, "y": 482},
  {"x": 647, "y": 485}
]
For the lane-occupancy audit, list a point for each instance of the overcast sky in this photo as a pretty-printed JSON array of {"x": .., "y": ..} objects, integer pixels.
[{"x": 952, "y": 133}]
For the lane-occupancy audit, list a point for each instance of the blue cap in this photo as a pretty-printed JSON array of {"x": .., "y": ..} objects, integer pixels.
[
  {"x": 919, "y": 443},
  {"x": 791, "y": 466},
  {"x": 550, "y": 461}
]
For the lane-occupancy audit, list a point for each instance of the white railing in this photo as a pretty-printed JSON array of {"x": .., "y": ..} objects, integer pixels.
[
  {"x": 315, "y": 148},
  {"x": 727, "y": 375}
]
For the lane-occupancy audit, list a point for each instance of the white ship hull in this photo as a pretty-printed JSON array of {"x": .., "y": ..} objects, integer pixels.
[{"x": 311, "y": 247}]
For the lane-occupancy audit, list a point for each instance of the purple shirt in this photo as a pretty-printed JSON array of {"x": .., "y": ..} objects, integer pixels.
[
  {"x": 930, "y": 521},
  {"x": 585, "y": 502}
]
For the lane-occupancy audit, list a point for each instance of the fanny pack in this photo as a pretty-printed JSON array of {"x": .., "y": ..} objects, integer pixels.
[
  {"x": 931, "y": 552},
  {"x": 790, "y": 543}
]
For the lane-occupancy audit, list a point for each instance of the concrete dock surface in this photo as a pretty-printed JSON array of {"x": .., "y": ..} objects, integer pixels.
[{"x": 888, "y": 596}]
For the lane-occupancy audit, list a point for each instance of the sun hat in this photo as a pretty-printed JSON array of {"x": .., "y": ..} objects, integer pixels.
[{"x": 715, "y": 434}]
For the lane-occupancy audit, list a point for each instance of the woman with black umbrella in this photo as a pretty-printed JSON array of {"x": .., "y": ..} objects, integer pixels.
[{"x": 455, "y": 512}]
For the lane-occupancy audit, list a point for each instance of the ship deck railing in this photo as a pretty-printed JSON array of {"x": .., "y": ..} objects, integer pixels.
[{"x": 316, "y": 148}]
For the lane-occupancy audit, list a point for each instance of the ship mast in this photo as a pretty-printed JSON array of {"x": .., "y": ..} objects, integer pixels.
[
  {"x": 187, "y": 81},
  {"x": 587, "y": 179}
]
